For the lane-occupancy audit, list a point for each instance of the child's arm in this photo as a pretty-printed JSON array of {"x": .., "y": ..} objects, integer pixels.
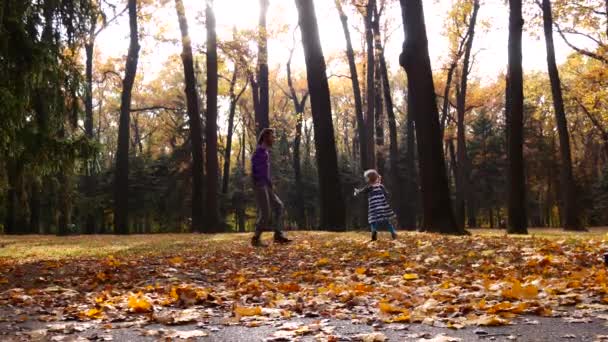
[
  {"x": 359, "y": 191},
  {"x": 387, "y": 195}
]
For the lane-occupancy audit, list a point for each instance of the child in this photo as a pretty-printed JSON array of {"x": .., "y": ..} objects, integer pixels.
[{"x": 379, "y": 211}]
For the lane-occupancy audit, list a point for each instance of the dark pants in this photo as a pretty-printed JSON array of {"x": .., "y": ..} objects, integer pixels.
[{"x": 268, "y": 203}]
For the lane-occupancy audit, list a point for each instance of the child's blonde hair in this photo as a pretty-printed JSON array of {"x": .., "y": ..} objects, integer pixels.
[{"x": 370, "y": 175}]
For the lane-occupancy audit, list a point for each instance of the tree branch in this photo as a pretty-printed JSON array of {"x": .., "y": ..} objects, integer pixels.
[{"x": 151, "y": 108}]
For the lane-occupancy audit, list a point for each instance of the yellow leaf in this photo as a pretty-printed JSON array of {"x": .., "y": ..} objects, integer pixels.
[
  {"x": 113, "y": 262},
  {"x": 3, "y": 281},
  {"x": 323, "y": 262},
  {"x": 390, "y": 309},
  {"x": 403, "y": 318},
  {"x": 94, "y": 313},
  {"x": 102, "y": 276},
  {"x": 288, "y": 287},
  {"x": 491, "y": 321},
  {"x": 176, "y": 260},
  {"x": 139, "y": 303},
  {"x": 410, "y": 276},
  {"x": 244, "y": 311},
  {"x": 360, "y": 270}
]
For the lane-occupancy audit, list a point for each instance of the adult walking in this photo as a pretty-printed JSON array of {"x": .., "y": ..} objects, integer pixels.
[{"x": 266, "y": 199}]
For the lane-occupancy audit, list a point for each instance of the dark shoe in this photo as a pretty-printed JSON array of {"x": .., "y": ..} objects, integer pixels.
[
  {"x": 374, "y": 236},
  {"x": 279, "y": 238},
  {"x": 257, "y": 242},
  {"x": 394, "y": 236}
]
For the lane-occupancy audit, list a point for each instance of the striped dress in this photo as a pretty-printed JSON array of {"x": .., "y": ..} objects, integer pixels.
[{"x": 378, "y": 209}]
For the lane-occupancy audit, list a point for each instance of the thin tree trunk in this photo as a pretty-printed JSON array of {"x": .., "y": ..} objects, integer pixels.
[
  {"x": 438, "y": 215},
  {"x": 378, "y": 95},
  {"x": 446, "y": 96},
  {"x": 515, "y": 111},
  {"x": 212, "y": 206},
  {"x": 35, "y": 207},
  {"x": 570, "y": 216},
  {"x": 90, "y": 223},
  {"x": 331, "y": 198},
  {"x": 395, "y": 174},
  {"x": 194, "y": 121},
  {"x": 350, "y": 55},
  {"x": 234, "y": 98},
  {"x": 371, "y": 96},
  {"x": 260, "y": 86},
  {"x": 462, "y": 179},
  {"x": 299, "y": 106},
  {"x": 121, "y": 180},
  {"x": 410, "y": 202}
]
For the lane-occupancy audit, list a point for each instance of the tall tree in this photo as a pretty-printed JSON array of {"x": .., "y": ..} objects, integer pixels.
[
  {"x": 569, "y": 212},
  {"x": 121, "y": 180},
  {"x": 438, "y": 215},
  {"x": 299, "y": 106},
  {"x": 354, "y": 77},
  {"x": 194, "y": 120},
  {"x": 370, "y": 87},
  {"x": 331, "y": 198},
  {"x": 259, "y": 86},
  {"x": 234, "y": 99},
  {"x": 517, "y": 223},
  {"x": 462, "y": 178},
  {"x": 212, "y": 205}
]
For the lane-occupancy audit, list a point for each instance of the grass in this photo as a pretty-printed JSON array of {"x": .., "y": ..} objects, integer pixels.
[{"x": 32, "y": 248}]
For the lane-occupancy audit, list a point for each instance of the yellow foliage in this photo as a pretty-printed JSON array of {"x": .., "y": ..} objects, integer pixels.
[
  {"x": 410, "y": 276},
  {"x": 322, "y": 262},
  {"x": 93, "y": 313},
  {"x": 139, "y": 303},
  {"x": 361, "y": 270},
  {"x": 241, "y": 311},
  {"x": 491, "y": 321},
  {"x": 176, "y": 260},
  {"x": 390, "y": 309}
]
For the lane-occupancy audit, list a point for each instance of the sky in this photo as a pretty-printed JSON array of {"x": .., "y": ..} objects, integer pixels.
[{"x": 490, "y": 45}]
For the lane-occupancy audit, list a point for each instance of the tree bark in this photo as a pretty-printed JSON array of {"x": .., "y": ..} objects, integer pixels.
[
  {"x": 121, "y": 180},
  {"x": 350, "y": 55},
  {"x": 234, "y": 98},
  {"x": 212, "y": 206},
  {"x": 90, "y": 223},
  {"x": 410, "y": 202},
  {"x": 260, "y": 86},
  {"x": 446, "y": 96},
  {"x": 438, "y": 215},
  {"x": 331, "y": 198},
  {"x": 371, "y": 94},
  {"x": 517, "y": 222},
  {"x": 395, "y": 173},
  {"x": 194, "y": 121},
  {"x": 299, "y": 106},
  {"x": 462, "y": 179},
  {"x": 34, "y": 204},
  {"x": 570, "y": 216}
]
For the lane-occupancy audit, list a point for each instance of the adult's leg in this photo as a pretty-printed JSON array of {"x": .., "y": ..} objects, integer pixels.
[
  {"x": 278, "y": 208},
  {"x": 263, "y": 204}
]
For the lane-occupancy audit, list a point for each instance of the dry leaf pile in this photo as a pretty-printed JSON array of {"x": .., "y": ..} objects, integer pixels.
[{"x": 438, "y": 280}]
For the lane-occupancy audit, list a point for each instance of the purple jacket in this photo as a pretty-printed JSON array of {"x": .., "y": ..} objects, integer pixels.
[{"x": 260, "y": 167}]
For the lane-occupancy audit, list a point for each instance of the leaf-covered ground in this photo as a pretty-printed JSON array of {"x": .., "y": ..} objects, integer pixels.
[{"x": 151, "y": 284}]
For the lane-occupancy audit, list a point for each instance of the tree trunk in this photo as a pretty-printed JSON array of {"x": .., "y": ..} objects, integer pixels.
[
  {"x": 438, "y": 215},
  {"x": 299, "y": 106},
  {"x": 90, "y": 223},
  {"x": 517, "y": 221},
  {"x": 371, "y": 94},
  {"x": 121, "y": 180},
  {"x": 446, "y": 96},
  {"x": 260, "y": 86},
  {"x": 395, "y": 174},
  {"x": 35, "y": 207},
  {"x": 410, "y": 202},
  {"x": 570, "y": 216},
  {"x": 331, "y": 198},
  {"x": 213, "y": 222},
  {"x": 350, "y": 55},
  {"x": 194, "y": 121},
  {"x": 462, "y": 179},
  {"x": 234, "y": 98}
]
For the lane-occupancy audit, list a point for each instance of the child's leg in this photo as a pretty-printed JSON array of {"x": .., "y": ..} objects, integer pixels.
[
  {"x": 391, "y": 229},
  {"x": 374, "y": 228}
]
